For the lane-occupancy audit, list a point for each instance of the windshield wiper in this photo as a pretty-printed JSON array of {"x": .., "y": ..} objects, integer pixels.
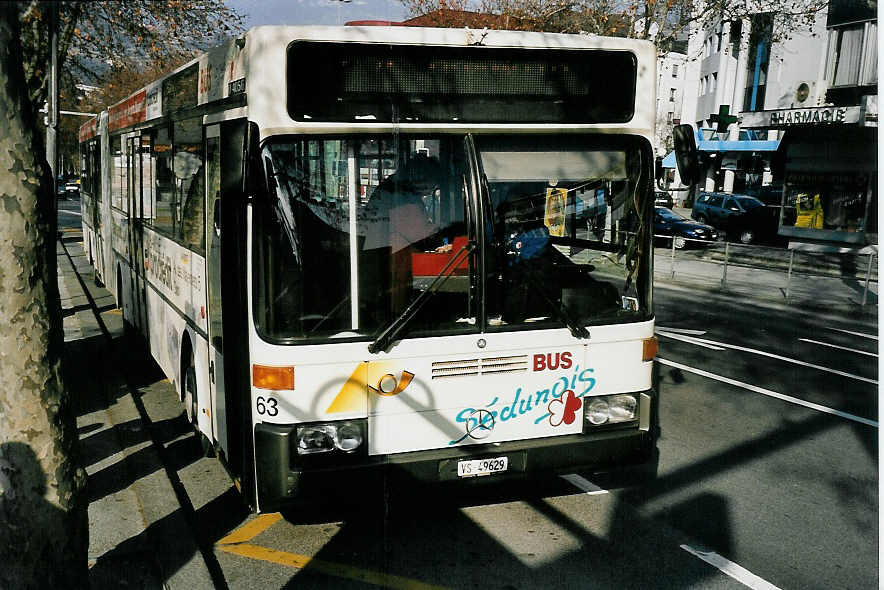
[{"x": 393, "y": 328}]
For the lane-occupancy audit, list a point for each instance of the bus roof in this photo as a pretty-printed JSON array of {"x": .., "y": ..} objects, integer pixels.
[{"x": 255, "y": 65}]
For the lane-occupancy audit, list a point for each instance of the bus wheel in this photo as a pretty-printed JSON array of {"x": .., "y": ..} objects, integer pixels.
[{"x": 191, "y": 403}]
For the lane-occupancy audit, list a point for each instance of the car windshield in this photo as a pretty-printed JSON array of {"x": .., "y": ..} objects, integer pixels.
[{"x": 360, "y": 234}]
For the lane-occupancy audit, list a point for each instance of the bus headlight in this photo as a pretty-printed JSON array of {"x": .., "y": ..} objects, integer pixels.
[
  {"x": 322, "y": 438},
  {"x": 610, "y": 409}
]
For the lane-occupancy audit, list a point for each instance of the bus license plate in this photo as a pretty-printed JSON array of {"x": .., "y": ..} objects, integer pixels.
[{"x": 475, "y": 467}]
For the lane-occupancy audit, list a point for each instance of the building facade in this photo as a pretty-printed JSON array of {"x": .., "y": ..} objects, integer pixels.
[
  {"x": 830, "y": 146},
  {"x": 739, "y": 66}
]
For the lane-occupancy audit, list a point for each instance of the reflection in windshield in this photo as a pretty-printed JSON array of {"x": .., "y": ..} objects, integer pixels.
[
  {"x": 566, "y": 217},
  {"x": 354, "y": 230},
  {"x": 669, "y": 215}
]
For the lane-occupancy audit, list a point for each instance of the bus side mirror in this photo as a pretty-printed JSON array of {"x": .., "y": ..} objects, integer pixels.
[
  {"x": 686, "y": 158},
  {"x": 658, "y": 168}
]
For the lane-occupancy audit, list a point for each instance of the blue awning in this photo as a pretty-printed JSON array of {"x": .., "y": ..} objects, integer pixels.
[
  {"x": 742, "y": 145},
  {"x": 718, "y": 145}
]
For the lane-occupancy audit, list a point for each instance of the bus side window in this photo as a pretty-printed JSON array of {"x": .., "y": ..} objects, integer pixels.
[{"x": 189, "y": 180}]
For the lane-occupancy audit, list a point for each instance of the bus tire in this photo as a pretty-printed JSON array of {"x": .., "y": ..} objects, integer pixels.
[{"x": 190, "y": 397}]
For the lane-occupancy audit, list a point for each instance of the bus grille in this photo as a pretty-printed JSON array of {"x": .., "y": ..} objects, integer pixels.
[{"x": 480, "y": 366}]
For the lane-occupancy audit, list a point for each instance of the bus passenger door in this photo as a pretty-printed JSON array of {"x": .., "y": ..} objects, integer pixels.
[
  {"x": 213, "y": 284},
  {"x": 136, "y": 231}
]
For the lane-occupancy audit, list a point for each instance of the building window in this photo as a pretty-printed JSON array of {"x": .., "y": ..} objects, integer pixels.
[
  {"x": 759, "y": 57},
  {"x": 853, "y": 55},
  {"x": 670, "y": 117},
  {"x": 672, "y": 95},
  {"x": 713, "y": 82},
  {"x": 736, "y": 37},
  {"x": 675, "y": 70}
]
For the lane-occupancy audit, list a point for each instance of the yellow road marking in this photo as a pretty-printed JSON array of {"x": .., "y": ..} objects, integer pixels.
[
  {"x": 114, "y": 311},
  {"x": 251, "y": 529},
  {"x": 327, "y": 567}
]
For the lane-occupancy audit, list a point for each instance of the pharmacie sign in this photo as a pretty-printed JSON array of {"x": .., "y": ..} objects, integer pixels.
[{"x": 792, "y": 117}]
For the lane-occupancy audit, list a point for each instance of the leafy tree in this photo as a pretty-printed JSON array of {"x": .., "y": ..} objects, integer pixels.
[
  {"x": 661, "y": 21},
  {"x": 97, "y": 37}
]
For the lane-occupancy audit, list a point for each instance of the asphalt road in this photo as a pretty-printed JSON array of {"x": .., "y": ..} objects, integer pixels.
[{"x": 778, "y": 491}]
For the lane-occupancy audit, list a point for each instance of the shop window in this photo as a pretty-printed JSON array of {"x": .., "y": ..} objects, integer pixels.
[{"x": 833, "y": 202}]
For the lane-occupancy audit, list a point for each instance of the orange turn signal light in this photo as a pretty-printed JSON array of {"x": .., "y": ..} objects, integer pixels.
[
  {"x": 649, "y": 348},
  {"x": 264, "y": 377}
]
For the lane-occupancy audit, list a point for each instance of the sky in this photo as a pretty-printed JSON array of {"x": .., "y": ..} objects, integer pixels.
[{"x": 315, "y": 12}]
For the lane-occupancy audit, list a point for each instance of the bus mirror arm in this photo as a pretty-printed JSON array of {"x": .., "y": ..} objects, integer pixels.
[{"x": 389, "y": 333}]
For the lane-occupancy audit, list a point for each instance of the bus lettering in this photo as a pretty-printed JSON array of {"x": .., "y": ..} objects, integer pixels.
[{"x": 551, "y": 362}]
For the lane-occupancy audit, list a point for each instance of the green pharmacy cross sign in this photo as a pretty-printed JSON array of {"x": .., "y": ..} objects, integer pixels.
[{"x": 723, "y": 118}]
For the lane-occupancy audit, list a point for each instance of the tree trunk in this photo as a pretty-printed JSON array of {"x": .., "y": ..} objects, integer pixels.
[{"x": 43, "y": 521}]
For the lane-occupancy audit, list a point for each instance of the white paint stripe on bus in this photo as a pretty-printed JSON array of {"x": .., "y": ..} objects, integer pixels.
[
  {"x": 862, "y": 334},
  {"x": 784, "y": 358},
  {"x": 838, "y": 347},
  {"x": 737, "y": 572},
  {"x": 583, "y": 484},
  {"x": 768, "y": 392}
]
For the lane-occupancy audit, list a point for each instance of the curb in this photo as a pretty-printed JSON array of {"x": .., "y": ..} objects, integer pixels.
[{"x": 162, "y": 527}]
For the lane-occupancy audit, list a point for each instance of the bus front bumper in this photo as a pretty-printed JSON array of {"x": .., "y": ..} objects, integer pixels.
[{"x": 280, "y": 482}]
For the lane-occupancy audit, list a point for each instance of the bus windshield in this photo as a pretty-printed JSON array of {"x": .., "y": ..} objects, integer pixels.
[{"x": 359, "y": 232}]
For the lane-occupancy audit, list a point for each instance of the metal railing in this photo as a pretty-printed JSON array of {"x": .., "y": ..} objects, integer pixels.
[{"x": 856, "y": 272}]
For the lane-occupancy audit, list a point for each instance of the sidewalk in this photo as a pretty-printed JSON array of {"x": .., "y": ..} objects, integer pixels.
[
  {"x": 744, "y": 279},
  {"x": 138, "y": 536}
]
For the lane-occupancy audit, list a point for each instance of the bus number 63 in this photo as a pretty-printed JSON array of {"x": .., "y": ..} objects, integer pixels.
[{"x": 267, "y": 405}]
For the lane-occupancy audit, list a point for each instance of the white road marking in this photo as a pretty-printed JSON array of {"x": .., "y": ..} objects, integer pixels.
[
  {"x": 695, "y": 341},
  {"x": 584, "y": 484},
  {"x": 862, "y": 334},
  {"x": 730, "y": 568},
  {"x": 702, "y": 341},
  {"x": 768, "y": 392},
  {"x": 838, "y": 347},
  {"x": 682, "y": 331}
]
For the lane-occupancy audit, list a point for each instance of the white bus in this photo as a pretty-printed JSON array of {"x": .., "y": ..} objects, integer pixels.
[{"x": 409, "y": 251}]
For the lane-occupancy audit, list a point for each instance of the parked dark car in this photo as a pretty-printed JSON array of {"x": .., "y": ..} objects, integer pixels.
[
  {"x": 742, "y": 217},
  {"x": 68, "y": 188},
  {"x": 683, "y": 230},
  {"x": 663, "y": 199}
]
